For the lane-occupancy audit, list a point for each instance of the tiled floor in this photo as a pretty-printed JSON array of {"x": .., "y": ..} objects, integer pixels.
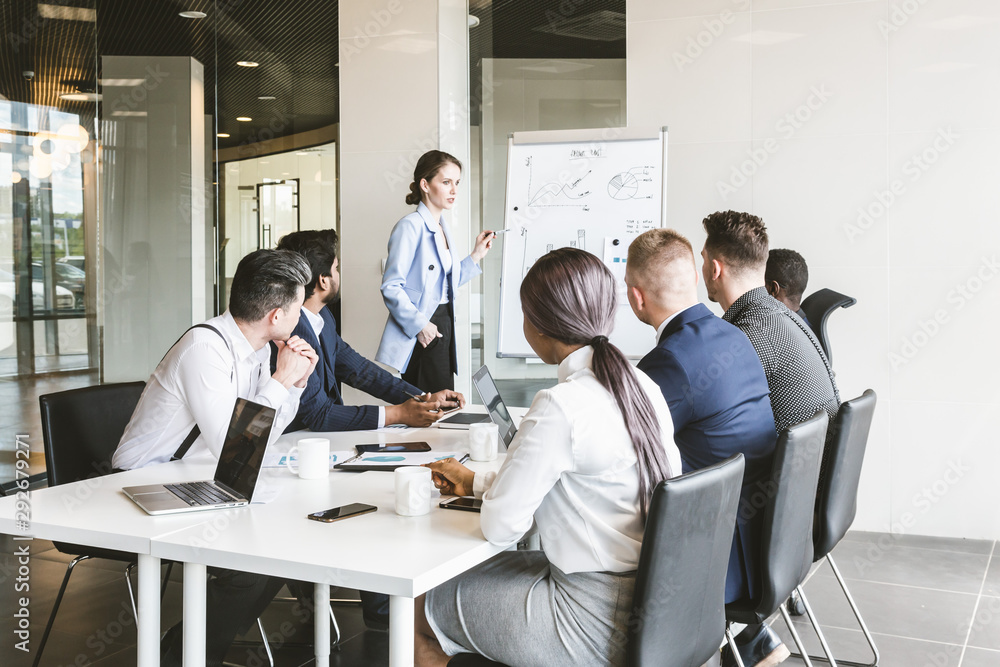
[{"x": 929, "y": 602}]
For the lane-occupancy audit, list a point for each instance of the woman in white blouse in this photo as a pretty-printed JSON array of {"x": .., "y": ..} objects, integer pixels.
[{"x": 581, "y": 470}]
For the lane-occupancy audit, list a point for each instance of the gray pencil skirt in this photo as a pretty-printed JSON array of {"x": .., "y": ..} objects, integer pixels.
[{"x": 519, "y": 609}]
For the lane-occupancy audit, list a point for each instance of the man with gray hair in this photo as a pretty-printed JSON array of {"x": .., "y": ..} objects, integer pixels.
[{"x": 188, "y": 401}]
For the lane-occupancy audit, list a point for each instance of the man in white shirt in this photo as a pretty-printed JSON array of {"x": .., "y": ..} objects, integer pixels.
[{"x": 189, "y": 399}]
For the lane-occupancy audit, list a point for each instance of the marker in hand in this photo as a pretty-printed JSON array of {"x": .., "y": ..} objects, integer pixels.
[{"x": 500, "y": 231}]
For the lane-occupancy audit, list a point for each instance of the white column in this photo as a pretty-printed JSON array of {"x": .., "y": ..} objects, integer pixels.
[
  {"x": 154, "y": 233},
  {"x": 148, "y": 623},
  {"x": 404, "y": 78},
  {"x": 195, "y": 594}
]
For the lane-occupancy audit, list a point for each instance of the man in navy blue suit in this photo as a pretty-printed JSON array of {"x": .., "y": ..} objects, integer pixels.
[
  {"x": 712, "y": 380},
  {"x": 321, "y": 407}
]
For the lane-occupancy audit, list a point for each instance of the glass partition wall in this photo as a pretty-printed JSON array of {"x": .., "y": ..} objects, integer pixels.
[{"x": 144, "y": 149}]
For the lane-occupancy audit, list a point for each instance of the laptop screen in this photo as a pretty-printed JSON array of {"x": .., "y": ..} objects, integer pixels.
[
  {"x": 243, "y": 452},
  {"x": 494, "y": 404}
]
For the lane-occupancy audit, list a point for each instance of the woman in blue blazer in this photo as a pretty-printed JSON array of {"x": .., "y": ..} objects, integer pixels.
[{"x": 422, "y": 276}]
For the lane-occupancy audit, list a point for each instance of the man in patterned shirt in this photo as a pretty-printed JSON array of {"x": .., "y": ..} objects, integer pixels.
[{"x": 798, "y": 373}]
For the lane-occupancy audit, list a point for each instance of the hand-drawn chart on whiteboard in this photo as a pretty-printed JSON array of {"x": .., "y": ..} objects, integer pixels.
[{"x": 577, "y": 189}]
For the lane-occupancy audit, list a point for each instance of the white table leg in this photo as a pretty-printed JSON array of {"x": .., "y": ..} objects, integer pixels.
[
  {"x": 148, "y": 623},
  {"x": 195, "y": 581},
  {"x": 400, "y": 631},
  {"x": 321, "y": 623}
]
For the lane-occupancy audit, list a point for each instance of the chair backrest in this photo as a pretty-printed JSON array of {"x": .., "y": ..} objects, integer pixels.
[
  {"x": 786, "y": 536},
  {"x": 678, "y": 614},
  {"x": 81, "y": 429},
  {"x": 837, "y": 497},
  {"x": 818, "y": 306}
]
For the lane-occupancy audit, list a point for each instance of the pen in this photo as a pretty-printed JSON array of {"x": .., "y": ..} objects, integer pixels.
[
  {"x": 465, "y": 457},
  {"x": 500, "y": 231},
  {"x": 418, "y": 399}
]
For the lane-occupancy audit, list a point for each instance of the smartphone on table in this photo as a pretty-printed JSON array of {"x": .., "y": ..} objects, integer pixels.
[
  {"x": 340, "y": 513},
  {"x": 462, "y": 503},
  {"x": 394, "y": 447}
]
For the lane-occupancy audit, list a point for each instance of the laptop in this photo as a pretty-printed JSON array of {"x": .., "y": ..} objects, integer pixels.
[
  {"x": 235, "y": 476},
  {"x": 497, "y": 411}
]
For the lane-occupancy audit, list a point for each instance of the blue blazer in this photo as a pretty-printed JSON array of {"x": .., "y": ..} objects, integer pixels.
[
  {"x": 715, "y": 386},
  {"x": 413, "y": 283},
  {"x": 321, "y": 407}
]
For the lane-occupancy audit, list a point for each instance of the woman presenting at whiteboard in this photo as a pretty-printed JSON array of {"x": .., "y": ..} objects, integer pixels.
[{"x": 422, "y": 276}]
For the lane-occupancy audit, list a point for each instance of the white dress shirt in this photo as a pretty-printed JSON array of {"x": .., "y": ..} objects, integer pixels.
[
  {"x": 198, "y": 381},
  {"x": 571, "y": 469},
  {"x": 317, "y": 323}
]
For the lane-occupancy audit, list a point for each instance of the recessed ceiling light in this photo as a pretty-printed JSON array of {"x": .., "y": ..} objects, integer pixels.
[
  {"x": 81, "y": 97},
  {"x": 244, "y": 119},
  {"x": 222, "y": 135},
  {"x": 473, "y": 20},
  {"x": 302, "y": 153},
  {"x": 247, "y": 63},
  {"x": 267, "y": 97},
  {"x": 194, "y": 15}
]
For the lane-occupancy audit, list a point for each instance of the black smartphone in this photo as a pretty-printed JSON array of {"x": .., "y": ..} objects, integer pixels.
[
  {"x": 394, "y": 447},
  {"x": 462, "y": 503},
  {"x": 338, "y": 513}
]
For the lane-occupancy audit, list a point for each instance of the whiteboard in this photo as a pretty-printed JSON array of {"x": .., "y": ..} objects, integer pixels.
[{"x": 590, "y": 189}]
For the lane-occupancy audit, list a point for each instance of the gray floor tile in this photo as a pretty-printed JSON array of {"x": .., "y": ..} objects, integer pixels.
[
  {"x": 986, "y": 625},
  {"x": 903, "y": 611},
  {"x": 977, "y": 657},
  {"x": 993, "y": 577},
  {"x": 898, "y": 564},
  {"x": 923, "y": 542},
  {"x": 851, "y": 645}
]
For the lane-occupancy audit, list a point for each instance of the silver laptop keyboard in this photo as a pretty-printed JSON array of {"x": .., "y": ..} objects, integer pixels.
[{"x": 200, "y": 493}]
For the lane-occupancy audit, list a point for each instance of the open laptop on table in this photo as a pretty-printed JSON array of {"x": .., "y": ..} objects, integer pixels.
[
  {"x": 496, "y": 409},
  {"x": 235, "y": 476}
]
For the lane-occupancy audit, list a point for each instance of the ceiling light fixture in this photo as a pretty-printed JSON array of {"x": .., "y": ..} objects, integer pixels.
[
  {"x": 247, "y": 63},
  {"x": 244, "y": 119},
  {"x": 81, "y": 97},
  {"x": 473, "y": 20},
  {"x": 222, "y": 135},
  {"x": 267, "y": 97},
  {"x": 193, "y": 15}
]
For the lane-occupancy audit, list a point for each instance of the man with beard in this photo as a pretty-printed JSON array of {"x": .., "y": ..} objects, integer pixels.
[{"x": 322, "y": 406}]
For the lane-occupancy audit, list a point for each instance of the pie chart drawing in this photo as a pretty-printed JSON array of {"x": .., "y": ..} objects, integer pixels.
[{"x": 623, "y": 186}]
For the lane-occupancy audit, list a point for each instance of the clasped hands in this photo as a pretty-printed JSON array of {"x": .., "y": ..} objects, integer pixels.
[{"x": 295, "y": 363}]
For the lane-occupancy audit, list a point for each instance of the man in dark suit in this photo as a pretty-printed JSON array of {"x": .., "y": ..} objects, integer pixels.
[
  {"x": 322, "y": 406},
  {"x": 713, "y": 382}
]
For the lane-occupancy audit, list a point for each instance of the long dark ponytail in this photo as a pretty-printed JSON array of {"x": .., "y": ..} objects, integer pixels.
[{"x": 569, "y": 295}]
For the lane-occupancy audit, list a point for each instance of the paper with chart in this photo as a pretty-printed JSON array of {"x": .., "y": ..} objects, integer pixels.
[{"x": 592, "y": 194}]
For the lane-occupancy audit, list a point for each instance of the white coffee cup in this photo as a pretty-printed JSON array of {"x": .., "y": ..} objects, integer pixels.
[
  {"x": 413, "y": 490},
  {"x": 313, "y": 458},
  {"x": 483, "y": 441}
]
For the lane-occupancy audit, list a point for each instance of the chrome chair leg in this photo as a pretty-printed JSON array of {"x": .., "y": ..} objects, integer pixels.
[
  {"x": 731, "y": 640},
  {"x": 336, "y": 628},
  {"x": 857, "y": 615},
  {"x": 795, "y": 635},
  {"x": 131, "y": 593},
  {"x": 267, "y": 644},
  {"x": 819, "y": 633},
  {"x": 55, "y": 608}
]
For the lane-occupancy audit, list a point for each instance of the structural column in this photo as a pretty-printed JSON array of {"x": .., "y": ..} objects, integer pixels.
[{"x": 404, "y": 90}]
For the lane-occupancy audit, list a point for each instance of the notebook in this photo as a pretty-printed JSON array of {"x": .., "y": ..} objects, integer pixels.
[{"x": 235, "y": 476}]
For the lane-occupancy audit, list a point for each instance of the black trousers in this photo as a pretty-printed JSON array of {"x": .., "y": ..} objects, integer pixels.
[
  {"x": 235, "y": 600},
  {"x": 433, "y": 368}
]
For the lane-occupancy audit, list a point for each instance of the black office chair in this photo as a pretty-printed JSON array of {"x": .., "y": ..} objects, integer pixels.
[
  {"x": 680, "y": 587},
  {"x": 680, "y": 584},
  {"x": 786, "y": 537},
  {"x": 818, "y": 306},
  {"x": 81, "y": 429},
  {"x": 837, "y": 498}
]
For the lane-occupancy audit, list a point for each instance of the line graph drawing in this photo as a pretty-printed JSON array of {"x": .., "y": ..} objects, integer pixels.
[
  {"x": 550, "y": 191},
  {"x": 626, "y": 185}
]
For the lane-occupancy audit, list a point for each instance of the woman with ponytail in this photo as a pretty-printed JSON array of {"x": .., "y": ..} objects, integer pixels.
[
  {"x": 422, "y": 274},
  {"x": 581, "y": 469}
]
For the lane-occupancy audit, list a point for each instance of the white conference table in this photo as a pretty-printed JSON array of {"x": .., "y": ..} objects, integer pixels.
[{"x": 382, "y": 552}]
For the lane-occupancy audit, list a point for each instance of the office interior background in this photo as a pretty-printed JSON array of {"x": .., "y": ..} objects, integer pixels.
[{"x": 146, "y": 147}]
